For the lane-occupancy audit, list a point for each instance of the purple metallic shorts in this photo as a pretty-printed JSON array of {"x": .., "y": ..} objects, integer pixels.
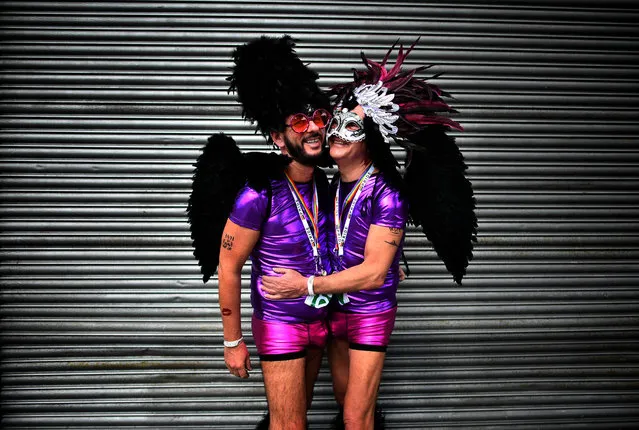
[
  {"x": 369, "y": 332},
  {"x": 277, "y": 341}
]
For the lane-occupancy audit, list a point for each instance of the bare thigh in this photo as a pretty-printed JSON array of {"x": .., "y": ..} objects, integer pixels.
[
  {"x": 365, "y": 373},
  {"x": 313, "y": 363},
  {"x": 286, "y": 393},
  {"x": 339, "y": 363}
]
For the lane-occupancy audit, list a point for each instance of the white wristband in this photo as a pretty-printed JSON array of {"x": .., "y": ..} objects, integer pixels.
[
  {"x": 309, "y": 285},
  {"x": 232, "y": 343}
]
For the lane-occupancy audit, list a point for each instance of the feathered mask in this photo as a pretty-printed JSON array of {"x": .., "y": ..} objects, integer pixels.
[
  {"x": 272, "y": 82},
  {"x": 398, "y": 102},
  {"x": 410, "y": 110}
]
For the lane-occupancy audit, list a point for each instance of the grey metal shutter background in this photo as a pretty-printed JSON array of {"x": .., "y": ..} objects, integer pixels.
[{"x": 105, "y": 321}]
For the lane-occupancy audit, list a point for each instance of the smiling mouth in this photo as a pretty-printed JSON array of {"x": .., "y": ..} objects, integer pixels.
[
  {"x": 313, "y": 141},
  {"x": 337, "y": 141}
]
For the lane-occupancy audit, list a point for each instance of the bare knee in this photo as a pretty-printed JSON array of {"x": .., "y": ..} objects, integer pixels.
[
  {"x": 313, "y": 363},
  {"x": 284, "y": 420},
  {"x": 339, "y": 398},
  {"x": 359, "y": 414},
  {"x": 358, "y": 418},
  {"x": 338, "y": 359},
  {"x": 289, "y": 415}
]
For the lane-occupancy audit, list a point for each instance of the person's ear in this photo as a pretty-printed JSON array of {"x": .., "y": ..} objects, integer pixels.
[{"x": 278, "y": 139}]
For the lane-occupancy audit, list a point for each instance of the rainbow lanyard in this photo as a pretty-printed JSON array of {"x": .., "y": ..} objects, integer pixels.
[
  {"x": 305, "y": 215},
  {"x": 351, "y": 199}
]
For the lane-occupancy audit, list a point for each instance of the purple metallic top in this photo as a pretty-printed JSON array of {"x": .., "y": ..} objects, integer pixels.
[
  {"x": 381, "y": 205},
  {"x": 283, "y": 243}
]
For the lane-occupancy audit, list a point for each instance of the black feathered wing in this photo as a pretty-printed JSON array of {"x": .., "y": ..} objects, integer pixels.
[
  {"x": 220, "y": 173},
  {"x": 218, "y": 176},
  {"x": 441, "y": 197}
]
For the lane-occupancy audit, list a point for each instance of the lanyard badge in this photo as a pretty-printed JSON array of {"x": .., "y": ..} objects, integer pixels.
[
  {"x": 351, "y": 199},
  {"x": 307, "y": 215},
  {"x": 312, "y": 214}
]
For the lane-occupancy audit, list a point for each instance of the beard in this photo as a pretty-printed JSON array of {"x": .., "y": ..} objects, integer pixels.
[{"x": 299, "y": 154}]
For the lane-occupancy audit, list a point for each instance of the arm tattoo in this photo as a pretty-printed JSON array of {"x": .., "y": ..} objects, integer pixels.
[
  {"x": 226, "y": 312},
  {"x": 396, "y": 231},
  {"x": 227, "y": 241}
]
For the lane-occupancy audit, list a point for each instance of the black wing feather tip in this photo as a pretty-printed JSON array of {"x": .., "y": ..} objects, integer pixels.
[
  {"x": 218, "y": 176},
  {"x": 441, "y": 198}
]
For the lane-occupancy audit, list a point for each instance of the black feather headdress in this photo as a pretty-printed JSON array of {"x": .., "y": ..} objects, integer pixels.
[
  {"x": 412, "y": 112},
  {"x": 272, "y": 82}
]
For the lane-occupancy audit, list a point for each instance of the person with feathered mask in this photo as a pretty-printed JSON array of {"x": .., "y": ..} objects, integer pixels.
[{"x": 372, "y": 203}]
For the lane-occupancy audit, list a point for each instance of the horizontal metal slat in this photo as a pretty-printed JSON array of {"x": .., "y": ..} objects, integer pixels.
[{"x": 106, "y": 106}]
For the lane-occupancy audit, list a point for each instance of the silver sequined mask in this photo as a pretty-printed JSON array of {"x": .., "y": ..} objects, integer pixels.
[{"x": 347, "y": 126}]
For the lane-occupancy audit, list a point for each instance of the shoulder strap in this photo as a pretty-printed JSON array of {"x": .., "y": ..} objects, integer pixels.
[
  {"x": 374, "y": 190},
  {"x": 269, "y": 204}
]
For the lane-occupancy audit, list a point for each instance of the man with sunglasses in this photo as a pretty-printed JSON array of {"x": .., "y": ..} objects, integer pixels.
[{"x": 285, "y": 224}]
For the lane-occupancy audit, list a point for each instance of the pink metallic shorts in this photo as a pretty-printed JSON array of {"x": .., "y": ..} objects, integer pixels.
[
  {"x": 369, "y": 332},
  {"x": 276, "y": 341}
]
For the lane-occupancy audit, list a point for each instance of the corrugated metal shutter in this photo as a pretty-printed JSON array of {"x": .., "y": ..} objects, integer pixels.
[{"x": 105, "y": 322}]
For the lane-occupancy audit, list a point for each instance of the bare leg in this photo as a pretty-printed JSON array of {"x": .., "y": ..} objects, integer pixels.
[
  {"x": 286, "y": 393},
  {"x": 365, "y": 373},
  {"x": 338, "y": 361},
  {"x": 313, "y": 363}
]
